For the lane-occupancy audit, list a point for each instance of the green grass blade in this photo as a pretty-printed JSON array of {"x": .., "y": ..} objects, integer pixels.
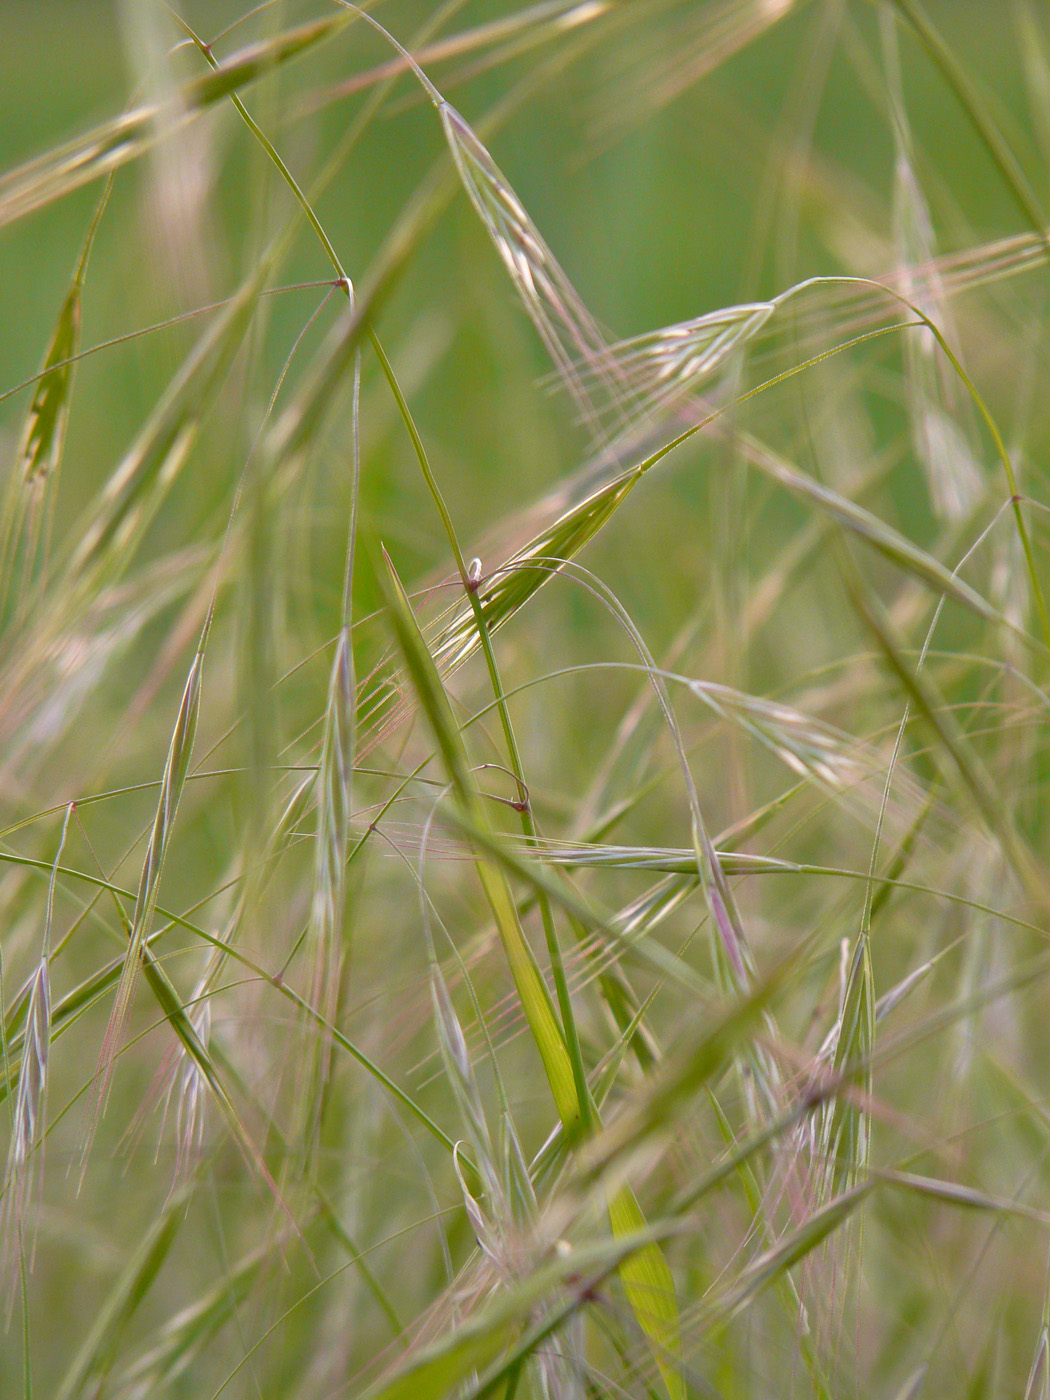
[
  {"x": 650, "y": 1290},
  {"x": 535, "y": 998}
]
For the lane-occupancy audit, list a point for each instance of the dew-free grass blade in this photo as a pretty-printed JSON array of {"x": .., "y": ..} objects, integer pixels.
[
  {"x": 789, "y": 1293},
  {"x": 619, "y": 996},
  {"x": 188, "y": 1087},
  {"x": 532, "y": 991},
  {"x": 631, "y": 942},
  {"x": 40, "y": 450},
  {"x": 510, "y": 587},
  {"x": 646, "y": 1276},
  {"x": 806, "y": 745},
  {"x": 33, "y": 485},
  {"x": 334, "y": 802},
  {"x": 335, "y": 779},
  {"x": 954, "y": 1193},
  {"x": 671, "y": 860},
  {"x": 30, "y": 1097},
  {"x": 456, "y": 1058},
  {"x": 889, "y": 1001},
  {"x": 647, "y": 1281},
  {"x": 201, "y": 1068},
  {"x": 63, "y": 1015}
]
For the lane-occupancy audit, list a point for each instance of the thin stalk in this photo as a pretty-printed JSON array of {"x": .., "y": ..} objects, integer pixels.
[
  {"x": 528, "y": 826},
  {"x": 269, "y": 148},
  {"x": 969, "y": 99}
]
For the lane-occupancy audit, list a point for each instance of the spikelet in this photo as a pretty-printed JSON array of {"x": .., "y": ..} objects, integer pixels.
[
  {"x": 190, "y": 1092},
  {"x": 24, "y": 1170},
  {"x": 565, "y": 326},
  {"x": 805, "y": 745},
  {"x": 173, "y": 781}
]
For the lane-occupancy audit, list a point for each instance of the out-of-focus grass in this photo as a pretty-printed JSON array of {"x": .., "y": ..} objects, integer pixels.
[{"x": 721, "y": 712}]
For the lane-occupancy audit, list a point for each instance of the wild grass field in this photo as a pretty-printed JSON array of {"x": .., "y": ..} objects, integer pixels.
[{"x": 524, "y": 665}]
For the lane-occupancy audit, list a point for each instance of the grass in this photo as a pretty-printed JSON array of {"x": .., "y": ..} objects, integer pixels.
[{"x": 523, "y": 674}]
